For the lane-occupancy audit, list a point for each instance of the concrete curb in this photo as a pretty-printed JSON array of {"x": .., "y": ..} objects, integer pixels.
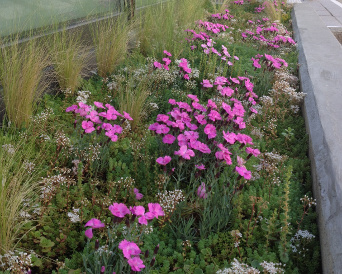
[{"x": 320, "y": 58}]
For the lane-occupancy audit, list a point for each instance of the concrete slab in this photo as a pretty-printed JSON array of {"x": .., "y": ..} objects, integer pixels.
[
  {"x": 320, "y": 58},
  {"x": 330, "y": 21}
]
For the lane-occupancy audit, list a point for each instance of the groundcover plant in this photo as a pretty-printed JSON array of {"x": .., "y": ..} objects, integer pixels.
[{"x": 188, "y": 156}]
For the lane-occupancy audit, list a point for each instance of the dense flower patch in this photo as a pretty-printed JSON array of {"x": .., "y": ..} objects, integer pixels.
[{"x": 213, "y": 176}]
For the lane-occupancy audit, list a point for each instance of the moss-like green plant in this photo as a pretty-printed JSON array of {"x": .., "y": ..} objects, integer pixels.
[{"x": 21, "y": 71}]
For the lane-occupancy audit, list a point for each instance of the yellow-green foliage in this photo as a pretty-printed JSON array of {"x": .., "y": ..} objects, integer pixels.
[
  {"x": 273, "y": 12},
  {"x": 133, "y": 101},
  {"x": 17, "y": 185},
  {"x": 110, "y": 38},
  {"x": 21, "y": 71},
  {"x": 69, "y": 58},
  {"x": 162, "y": 26}
]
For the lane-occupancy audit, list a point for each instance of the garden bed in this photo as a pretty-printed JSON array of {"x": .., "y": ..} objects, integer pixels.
[{"x": 189, "y": 155}]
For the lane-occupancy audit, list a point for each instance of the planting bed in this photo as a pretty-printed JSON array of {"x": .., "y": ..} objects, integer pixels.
[{"x": 186, "y": 155}]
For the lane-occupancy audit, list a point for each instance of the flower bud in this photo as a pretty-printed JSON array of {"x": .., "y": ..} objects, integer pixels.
[
  {"x": 153, "y": 261},
  {"x": 97, "y": 244},
  {"x": 147, "y": 253},
  {"x": 127, "y": 223},
  {"x": 103, "y": 270},
  {"x": 156, "y": 249}
]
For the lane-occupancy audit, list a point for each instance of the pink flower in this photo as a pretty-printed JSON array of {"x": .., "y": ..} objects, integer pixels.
[
  {"x": 244, "y": 139},
  {"x": 186, "y": 76},
  {"x": 191, "y": 135},
  {"x": 214, "y": 115},
  {"x": 127, "y": 116},
  {"x": 163, "y": 160},
  {"x": 169, "y": 139},
  {"x": 201, "y": 191},
  {"x": 210, "y": 130},
  {"x": 211, "y": 104},
  {"x": 162, "y": 118},
  {"x": 155, "y": 210},
  {"x": 172, "y": 101},
  {"x": 99, "y": 105},
  {"x": 72, "y": 108},
  {"x": 254, "y": 152},
  {"x": 230, "y": 137},
  {"x": 88, "y": 126},
  {"x": 142, "y": 220},
  {"x": 201, "y": 119},
  {"x": 185, "y": 152},
  {"x": 224, "y": 154},
  {"x": 200, "y": 167},
  {"x": 129, "y": 249},
  {"x": 157, "y": 65},
  {"x": 93, "y": 223},
  {"x": 227, "y": 91},
  {"x": 240, "y": 161},
  {"x": 206, "y": 84},
  {"x": 199, "y": 106},
  {"x": 192, "y": 97},
  {"x": 136, "y": 264},
  {"x": 167, "y": 61},
  {"x": 138, "y": 195},
  {"x": 239, "y": 121},
  {"x": 119, "y": 210},
  {"x": 182, "y": 140},
  {"x": 162, "y": 129},
  {"x": 137, "y": 210},
  {"x": 167, "y": 53},
  {"x": 244, "y": 172}
]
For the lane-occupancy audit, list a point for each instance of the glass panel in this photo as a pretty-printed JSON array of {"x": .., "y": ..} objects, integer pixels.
[{"x": 23, "y": 15}]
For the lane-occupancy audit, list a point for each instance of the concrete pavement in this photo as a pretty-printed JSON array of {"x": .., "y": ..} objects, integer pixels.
[{"x": 320, "y": 58}]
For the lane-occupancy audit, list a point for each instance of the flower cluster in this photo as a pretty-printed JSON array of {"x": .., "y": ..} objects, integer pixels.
[
  {"x": 130, "y": 250},
  {"x": 96, "y": 120},
  {"x": 272, "y": 40},
  {"x": 212, "y": 27},
  {"x": 225, "y": 16},
  {"x": 270, "y": 62},
  {"x": 197, "y": 128}
]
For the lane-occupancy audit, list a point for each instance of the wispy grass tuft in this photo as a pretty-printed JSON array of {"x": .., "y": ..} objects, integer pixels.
[
  {"x": 69, "y": 58},
  {"x": 162, "y": 26},
  {"x": 110, "y": 38},
  {"x": 18, "y": 185},
  {"x": 133, "y": 101},
  {"x": 273, "y": 12},
  {"x": 21, "y": 71}
]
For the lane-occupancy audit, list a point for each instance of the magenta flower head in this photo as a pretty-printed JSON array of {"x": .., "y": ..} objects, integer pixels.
[
  {"x": 99, "y": 105},
  {"x": 88, "y": 126},
  {"x": 127, "y": 116},
  {"x": 93, "y": 223},
  {"x": 136, "y": 264},
  {"x": 206, "y": 84},
  {"x": 201, "y": 191},
  {"x": 155, "y": 210},
  {"x": 163, "y": 160},
  {"x": 138, "y": 195},
  {"x": 168, "y": 139},
  {"x": 119, "y": 210},
  {"x": 167, "y": 53},
  {"x": 200, "y": 167},
  {"x": 243, "y": 172},
  {"x": 129, "y": 249},
  {"x": 72, "y": 108}
]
